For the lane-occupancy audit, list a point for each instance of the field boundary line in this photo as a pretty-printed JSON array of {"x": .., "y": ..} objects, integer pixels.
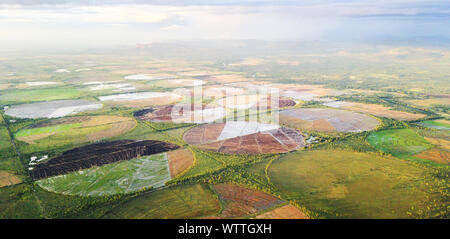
[
  {"x": 190, "y": 167},
  {"x": 11, "y": 136}
]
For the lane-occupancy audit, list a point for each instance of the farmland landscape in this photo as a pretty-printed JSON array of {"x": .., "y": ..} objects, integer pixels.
[
  {"x": 226, "y": 129},
  {"x": 224, "y": 153}
]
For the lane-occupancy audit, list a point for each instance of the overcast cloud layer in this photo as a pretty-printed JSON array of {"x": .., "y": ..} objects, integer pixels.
[{"x": 67, "y": 23}]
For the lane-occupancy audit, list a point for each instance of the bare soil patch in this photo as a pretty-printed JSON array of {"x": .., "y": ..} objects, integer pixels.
[
  {"x": 285, "y": 212},
  {"x": 7, "y": 179},
  {"x": 179, "y": 161},
  {"x": 435, "y": 155},
  {"x": 241, "y": 201},
  {"x": 181, "y": 113},
  {"x": 241, "y": 140}
]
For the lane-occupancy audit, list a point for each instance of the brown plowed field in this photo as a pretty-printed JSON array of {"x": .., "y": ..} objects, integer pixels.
[
  {"x": 7, "y": 179},
  {"x": 279, "y": 140},
  {"x": 203, "y": 134},
  {"x": 179, "y": 161},
  {"x": 323, "y": 125},
  {"x": 284, "y": 212},
  {"x": 435, "y": 155},
  {"x": 164, "y": 113},
  {"x": 119, "y": 125},
  {"x": 98, "y": 154},
  {"x": 442, "y": 143},
  {"x": 241, "y": 201}
]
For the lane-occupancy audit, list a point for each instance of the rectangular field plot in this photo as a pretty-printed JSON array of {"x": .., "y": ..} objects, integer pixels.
[
  {"x": 401, "y": 143},
  {"x": 22, "y": 96},
  {"x": 121, "y": 177}
]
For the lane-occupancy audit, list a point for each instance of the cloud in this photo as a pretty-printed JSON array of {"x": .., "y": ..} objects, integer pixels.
[
  {"x": 89, "y": 14},
  {"x": 107, "y": 22},
  {"x": 171, "y": 27}
]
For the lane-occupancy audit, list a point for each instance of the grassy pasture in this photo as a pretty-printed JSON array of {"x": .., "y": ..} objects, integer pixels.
[
  {"x": 346, "y": 184},
  {"x": 402, "y": 143},
  {"x": 437, "y": 124},
  {"x": 185, "y": 201}
]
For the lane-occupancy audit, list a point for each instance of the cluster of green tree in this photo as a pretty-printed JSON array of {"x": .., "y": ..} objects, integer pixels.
[
  {"x": 222, "y": 162},
  {"x": 9, "y": 153},
  {"x": 355, "y": 142},
  {"x": 440, "y": 108},
  {"x": 312, "y": 104},
  {"x": 162, "y": 126},
  {"x": 435, "y": 207}
]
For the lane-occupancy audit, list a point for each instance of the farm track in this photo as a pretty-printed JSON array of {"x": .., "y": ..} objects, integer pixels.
[
  {"x": 162, "y": 131},
  {"x": 394, "y": 103},
  {"x": 11, "y": 136}
]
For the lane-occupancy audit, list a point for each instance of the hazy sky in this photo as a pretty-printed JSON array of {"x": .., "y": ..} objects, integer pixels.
[{"x": 68, "y": 23}]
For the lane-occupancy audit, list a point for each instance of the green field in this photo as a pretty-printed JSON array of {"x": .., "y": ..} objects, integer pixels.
[
  {"x": 68, "y": 134},
  {"x": 435, "y": 124},
  {"x": 59, "y": 139},
  {"x": 22, "y": 96},
  {"x": 185, "y": 201},
  {"x": 49, "y": 129},
  {"x": 345, "y": 184},
  {"x": 120, "y": 177},
  {"x": 401, "y": 143}
]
